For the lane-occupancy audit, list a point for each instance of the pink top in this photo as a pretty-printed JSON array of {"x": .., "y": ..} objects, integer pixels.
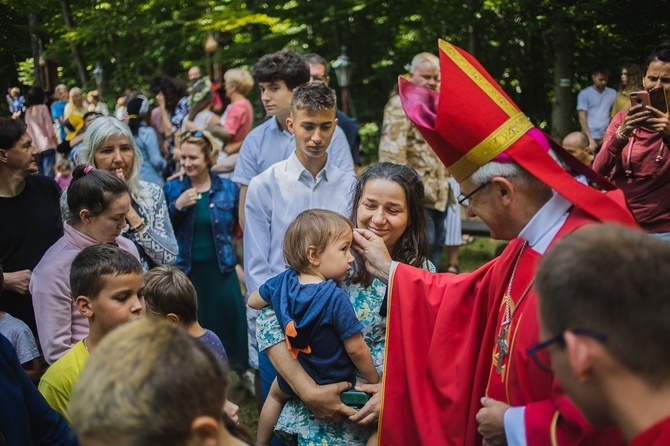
[
  {"x": 59, "y": 324},
  {"x": 40, "y": 127},
  {"x": 63, "y": 181},
  {"x": 238, "y": 118}
]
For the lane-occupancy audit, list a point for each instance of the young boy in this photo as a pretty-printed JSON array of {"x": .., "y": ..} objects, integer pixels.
[
  {"x": 106, "y": 282},
  {"x": 169, "y": 294},
  {"x": 22, "y": 339},
  {"x": 322, "y": 330},
  {"x": 604, "y": 312}
]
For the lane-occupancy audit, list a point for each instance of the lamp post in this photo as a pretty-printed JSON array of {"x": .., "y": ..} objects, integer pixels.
[
  {"x": 97, "y": 75},
  {"x": 343, "y": 70}
]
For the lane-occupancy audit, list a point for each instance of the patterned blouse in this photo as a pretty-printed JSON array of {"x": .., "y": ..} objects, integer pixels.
[{"x": 296, "y": 418}]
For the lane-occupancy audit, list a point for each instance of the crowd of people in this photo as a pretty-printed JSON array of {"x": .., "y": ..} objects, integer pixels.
[{"x": 337, "y": 289}]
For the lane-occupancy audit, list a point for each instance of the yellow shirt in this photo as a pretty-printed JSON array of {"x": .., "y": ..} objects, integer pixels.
[{"x": 57, "y": 383}]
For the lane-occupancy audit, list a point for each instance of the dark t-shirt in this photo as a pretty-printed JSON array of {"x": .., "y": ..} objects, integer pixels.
[{"x": 29, "y": 224}]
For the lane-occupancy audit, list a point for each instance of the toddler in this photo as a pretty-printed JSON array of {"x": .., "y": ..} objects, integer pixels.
[
  {"x": 63, "y": 172},
  {"x": 321, "y": 327}
]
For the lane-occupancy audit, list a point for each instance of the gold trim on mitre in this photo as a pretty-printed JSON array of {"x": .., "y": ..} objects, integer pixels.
[
  {"x": 494, "y": 144},
  {"x": 503, "y": 137}
]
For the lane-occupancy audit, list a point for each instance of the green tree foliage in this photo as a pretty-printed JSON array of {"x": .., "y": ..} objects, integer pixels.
[{"x": 515, "y": 41}]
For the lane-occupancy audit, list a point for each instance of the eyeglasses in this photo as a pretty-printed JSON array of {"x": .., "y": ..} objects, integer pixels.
[
  {"x": 193, "y": 133},
  {"x": 542, "y": 359},
  {"x": 463, "y": 199},
  {"x": 196, "y": 134}
]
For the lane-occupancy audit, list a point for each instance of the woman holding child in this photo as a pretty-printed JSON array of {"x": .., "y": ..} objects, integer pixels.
[
  {"x": 388, "y": 200},
  {"x": 99, "y": 202},
  {"x": 109, "y": 145},
  {"x": 203, "y": 209}
]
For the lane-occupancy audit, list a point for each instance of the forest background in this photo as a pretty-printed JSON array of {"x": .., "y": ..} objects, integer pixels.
[{"x": 541, "y": 51}]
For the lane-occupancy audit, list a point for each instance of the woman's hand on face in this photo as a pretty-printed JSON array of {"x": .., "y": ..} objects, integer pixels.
[
  {"x": 187, "y": 199},
  {"x": 119, "y": 173},
  {"x": 658, "y": 122},
  {"x": 370, "y": 412},
  {"x": 373, "y": 249},
  {"x": 636, "y": 117},
  {"x": 160, "y": 100}
]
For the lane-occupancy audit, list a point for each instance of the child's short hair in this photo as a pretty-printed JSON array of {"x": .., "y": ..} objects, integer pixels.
[
  {"x": 313, "y": 96},
  {"x": 168, "y": 290},
  {"x": 313, "y": 227},
  {"x": 609, "y": 279},
  {"x": 94, "y": 262},
  {"x": 285, "y": 65},
  {"x": 240, "y": 79},
  {"x": 135, "y": 389}
]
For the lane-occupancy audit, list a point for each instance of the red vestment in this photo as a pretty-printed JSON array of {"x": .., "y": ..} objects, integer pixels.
[
  {"x": 657, "y": 435},
  {"x": 441, "y": 356}
]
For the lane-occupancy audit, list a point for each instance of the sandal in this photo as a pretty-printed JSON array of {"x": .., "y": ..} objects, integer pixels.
[{"x": 453, "y": 269}]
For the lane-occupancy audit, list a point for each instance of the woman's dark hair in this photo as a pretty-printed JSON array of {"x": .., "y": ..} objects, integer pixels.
[
  {"x": 93, "y": 190},
  {"x": 172, "y": 89},
  {"x": 660, "y": 53},
  {"x": 412, "y": 247},
  {"x": 34, "y": 96}
]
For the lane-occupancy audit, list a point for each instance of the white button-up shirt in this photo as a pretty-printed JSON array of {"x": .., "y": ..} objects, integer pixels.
[{"x": 274, "y": 200}]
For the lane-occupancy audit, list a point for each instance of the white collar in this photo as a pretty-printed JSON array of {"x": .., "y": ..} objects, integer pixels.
[
  {"x": 545, "y": 224},
  {"x": 295, "y": 169}
]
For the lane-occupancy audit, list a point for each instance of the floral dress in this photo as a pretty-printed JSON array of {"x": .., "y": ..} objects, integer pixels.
[{"x": 296, "y": 419}]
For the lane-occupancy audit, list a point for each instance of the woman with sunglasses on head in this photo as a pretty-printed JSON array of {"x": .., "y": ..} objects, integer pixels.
[
  {"x": 203, "y": 209},
  {"x": 109, "y": 145}
]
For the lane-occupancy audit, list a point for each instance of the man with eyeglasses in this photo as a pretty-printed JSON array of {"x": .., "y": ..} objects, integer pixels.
[
  {"x": 457, "y": 370},
  {"x": 605, "y": 328}
]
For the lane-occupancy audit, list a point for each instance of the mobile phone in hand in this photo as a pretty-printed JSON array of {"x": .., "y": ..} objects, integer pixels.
[
  {"x": 355, "y": 399},
  {"x": 639, "y": 98}
]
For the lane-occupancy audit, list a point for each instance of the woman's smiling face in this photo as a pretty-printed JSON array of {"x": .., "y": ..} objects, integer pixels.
[{"x": 383, "y": 210}]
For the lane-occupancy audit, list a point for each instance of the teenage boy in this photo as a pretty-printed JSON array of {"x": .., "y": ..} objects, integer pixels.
[
  {"x": 318, "y": 71},
  {"x": 606, "y": 328},
  {"x": 277, "y": 75},
  {"x": 106, "y": 282},
  {"x": 307, "y": 179}
]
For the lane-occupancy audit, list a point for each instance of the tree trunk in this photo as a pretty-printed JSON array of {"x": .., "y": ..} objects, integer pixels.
[
  {"x": 35, "y": 48},
  {"x": 474, "y": 6},
  {"x": 563, "y": 107},
  {"x": 76, "y": 50}
]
